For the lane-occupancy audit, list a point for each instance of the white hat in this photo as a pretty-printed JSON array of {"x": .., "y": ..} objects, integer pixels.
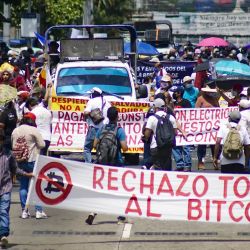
[
  {"x": 166, "y": 78},
  {"x": 235, "y": 115},
  {"x": 155, "y": 60},
  {"x": 187, "y": 79},
  {"x": 208, "y": 89},
  {"x": 96, "y": 89},
  {"x": 244, "y": 104},
  {"x": 159, "y": 103}
]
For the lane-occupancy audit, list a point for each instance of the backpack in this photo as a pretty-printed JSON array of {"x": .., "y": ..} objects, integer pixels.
[
  {"x": 107, "y": 146},
  {"x": 165, "y": 134},
  {"x": 96, "y": 115},
  {"x": 21, "y": 150},
  {"x": 233, "y": 147}
]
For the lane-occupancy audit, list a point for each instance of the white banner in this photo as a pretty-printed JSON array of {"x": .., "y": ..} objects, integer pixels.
[
  {"x": 221, "y": 198},
  {"x": 201, "y": 125},
  {"x": 227, "y": 24}
]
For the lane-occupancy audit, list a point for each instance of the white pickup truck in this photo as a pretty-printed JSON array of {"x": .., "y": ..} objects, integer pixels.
[{"x": 97, "y": 62}]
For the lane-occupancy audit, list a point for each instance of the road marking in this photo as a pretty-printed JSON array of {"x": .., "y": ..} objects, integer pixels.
[{"x": 126, "y": 231}]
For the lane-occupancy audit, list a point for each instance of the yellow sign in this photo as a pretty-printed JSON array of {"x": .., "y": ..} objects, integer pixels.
[{"x": 61, "y": 103}]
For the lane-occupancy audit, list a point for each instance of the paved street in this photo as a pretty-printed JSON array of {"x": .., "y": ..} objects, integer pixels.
[{"x": 67, "y": 230}]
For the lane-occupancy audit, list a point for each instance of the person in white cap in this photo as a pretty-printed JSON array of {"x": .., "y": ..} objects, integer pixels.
[
  {"x": 233, "y": 164},
  {"x": 96, "y": 106},
  {"x": 244, "y": 107},
  {"x": 190, "y": 92},
  {"x": 161, "y": 157}
]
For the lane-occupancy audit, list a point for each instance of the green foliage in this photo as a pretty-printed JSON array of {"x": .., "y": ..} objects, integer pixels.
[
  {"x": 112, "y": 11},
  {"x": 63, "y": 11},
  {"x": 52, "y": 12}
]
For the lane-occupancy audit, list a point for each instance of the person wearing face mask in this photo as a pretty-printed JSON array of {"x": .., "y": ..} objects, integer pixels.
[
  {"x": 165, "y": 84},
  {"x": 181, "y": 154},
  {"x": 244, "y": 108},
  {"x": 159, "y": 71},
  {"x": 207, "y": 99},
  {"x": 190, "y": 92},
  {"x": 236, "y": 91}
]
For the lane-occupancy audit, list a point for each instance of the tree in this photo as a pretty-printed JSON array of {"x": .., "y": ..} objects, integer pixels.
[
  {"x": 52, "y": 12},
  {"x": 113, "y": 11}
]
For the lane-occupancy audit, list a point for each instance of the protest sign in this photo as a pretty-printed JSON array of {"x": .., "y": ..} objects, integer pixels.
[
  {"x": 177, "y": 69},
  {"x": 69, "y": 127},
  {"x": 162, "y": 195},
  {"x": 201, "y": 125}
]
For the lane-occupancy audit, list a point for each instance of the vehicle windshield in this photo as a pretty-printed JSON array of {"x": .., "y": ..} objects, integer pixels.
[{"x": 79, "y": 80}]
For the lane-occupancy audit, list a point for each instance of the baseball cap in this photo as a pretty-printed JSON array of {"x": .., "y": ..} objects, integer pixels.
[
  {"x": 244, "y": 104},
  {"x": 235, "y": 115},
  {"x": 23, "y": 94},
  {"x": 30, "y": 116},
  {"x": 159, "y": 103},
  {"x": 96, "y": 89}
]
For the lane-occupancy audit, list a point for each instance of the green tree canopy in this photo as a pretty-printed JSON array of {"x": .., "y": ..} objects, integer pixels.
[
  {"x": 113, "y": 11},
  {"x": 54, "y": 12}
]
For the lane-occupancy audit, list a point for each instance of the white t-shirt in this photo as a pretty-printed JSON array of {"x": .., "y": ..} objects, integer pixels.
[
  {"x": 96, "y": 103},
  {"x": 152, "y": 124},
  {"x": 43, "y": 121},
  {"x": 223, "y": 132},
  {"x": 245, "y": 120}
]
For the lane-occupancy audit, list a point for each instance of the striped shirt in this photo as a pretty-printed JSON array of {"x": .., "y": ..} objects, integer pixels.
[{"x": 8, "y": 168}]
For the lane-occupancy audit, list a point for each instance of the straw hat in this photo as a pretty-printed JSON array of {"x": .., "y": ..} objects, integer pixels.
[{"x": 208, "y": 89}]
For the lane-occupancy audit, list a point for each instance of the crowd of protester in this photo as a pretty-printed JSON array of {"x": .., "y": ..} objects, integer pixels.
[{"x": 27, "y": 115}]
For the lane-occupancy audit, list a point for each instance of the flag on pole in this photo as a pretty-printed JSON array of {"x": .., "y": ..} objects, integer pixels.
[{"x": 40, "y": 38}]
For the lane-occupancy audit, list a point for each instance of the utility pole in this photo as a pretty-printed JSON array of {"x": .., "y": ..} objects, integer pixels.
[
  {"x": 87, "y": 14},
  {"x": 6, "y": 25}
]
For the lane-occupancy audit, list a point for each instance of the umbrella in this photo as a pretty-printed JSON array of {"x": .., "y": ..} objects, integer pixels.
[
  {"x": 8, "y": 93},
  {"x": 227, "y": 82},
  {"x": 202, "y": 66},
  {"x": 225, "y": 67},
  {"x": 247, "y": 46},
  {"x": 212, "y": 42},
  {"x": 142, "y": 48}
]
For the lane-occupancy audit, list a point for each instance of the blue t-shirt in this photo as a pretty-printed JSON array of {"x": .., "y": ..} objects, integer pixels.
[
  {"x": 121, "y": 136},
  {"x": 191, "y": 95}
]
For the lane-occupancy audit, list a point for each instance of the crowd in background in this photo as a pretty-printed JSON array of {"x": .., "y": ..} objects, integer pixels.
[{"x": 25, "y": 121}]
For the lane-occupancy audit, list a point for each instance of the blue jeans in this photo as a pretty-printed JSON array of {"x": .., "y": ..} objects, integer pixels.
[
  {"x": 24, "y": 184},
  {"x": 147, "y": 159},
  {"x": 88, "y": 145},
  {"x": 182, "y": 156},
  {"x": 4, "y": 214}
]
